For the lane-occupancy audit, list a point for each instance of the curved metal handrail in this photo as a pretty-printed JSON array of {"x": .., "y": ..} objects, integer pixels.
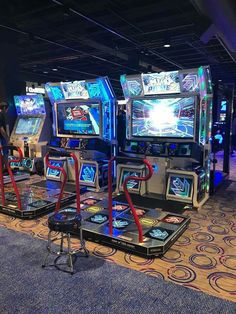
[
  {"x": 19, "y": 159},
  {"x": 127, "y": 195},
  {"x": 77, "y": 183}
]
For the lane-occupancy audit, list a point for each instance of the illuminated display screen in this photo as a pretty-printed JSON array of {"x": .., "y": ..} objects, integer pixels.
[
  {"x": 28, "y": 126},
  {"x": 76, "y": 89},
  {"x": 134, "y": 87},
  {"x": 222, "y": 117},
  {"x": 132, "y": 184},
  {"x": 163, "y": 117},
  {"x": 29, "y": 104},
  {"x": 78, "y": 119},
  {"x": 190, "y": 82},
  {"x": 161, "y": 83},
  {"x": 93, "y": 90},
  {"x": 223, "y": 106},
  {"x": 53, "y": 172},
  {"x": 56, "y": 93},
  {"x": 88, "y": 173},
  {"x": 180, "y": 187}
]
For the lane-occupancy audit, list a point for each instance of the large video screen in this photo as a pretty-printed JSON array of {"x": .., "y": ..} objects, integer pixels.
[
  {"x": 163, "y": 117},
  {"x": 78, "y": 119},
  {"x": 28, "y": 126},
  {"x": 29, "y": 104}
]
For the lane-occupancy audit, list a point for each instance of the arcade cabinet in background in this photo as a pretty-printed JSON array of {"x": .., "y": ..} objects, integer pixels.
[
  {"x": 31, "y": 132},
  {"x": 221, "y": 134},
  {"x": 168, "y": 118},
  {"x": 84, "y": 123}
]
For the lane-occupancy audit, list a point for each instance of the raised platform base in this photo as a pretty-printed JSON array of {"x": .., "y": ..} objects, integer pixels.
[
  {"x": 36, "y": 201},
  {"x": 18, "y": 176},
  {"x": 160, "y": 228}
]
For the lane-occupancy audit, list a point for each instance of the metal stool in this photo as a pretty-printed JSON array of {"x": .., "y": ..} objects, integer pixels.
[{"x": 65, "y": 221}]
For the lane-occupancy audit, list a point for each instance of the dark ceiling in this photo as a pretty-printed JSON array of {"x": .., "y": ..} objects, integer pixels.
[{"x": 74, "y": 39}]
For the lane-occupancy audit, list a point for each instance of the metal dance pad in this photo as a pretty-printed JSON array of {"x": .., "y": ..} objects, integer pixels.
[
  {"x": 160, "y": 228},
  {"x": 36, "y": 201}
]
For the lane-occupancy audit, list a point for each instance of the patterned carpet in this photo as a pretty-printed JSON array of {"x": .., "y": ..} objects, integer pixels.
[{"x": 203, "y": 258}]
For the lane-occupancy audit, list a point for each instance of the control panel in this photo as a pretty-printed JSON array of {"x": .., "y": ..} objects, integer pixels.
[
  {"x": 26, "y": 163},
  {"x": 164, "y": 149}
]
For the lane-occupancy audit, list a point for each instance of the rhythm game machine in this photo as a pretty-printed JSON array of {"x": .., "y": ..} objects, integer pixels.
[
  {"x": 164, "y": 164},
  {"x": 169, "y": 123},
  {"x": 32, "y": 130},
  {"x": 168, "y": 126},
  {"x": 31, "y": 133},
  {"x": 84, "y": 123}
]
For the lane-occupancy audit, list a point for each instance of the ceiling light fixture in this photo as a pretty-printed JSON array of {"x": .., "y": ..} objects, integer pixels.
[
  {"x": 166, "y": 45},
  {"x": 55, "y": 69},
  {"x": 45, "y": 72}
]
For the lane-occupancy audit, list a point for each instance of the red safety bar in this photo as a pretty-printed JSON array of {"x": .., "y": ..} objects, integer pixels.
[
  {"x": 19, "y": 159},
  {"x": 127, "y": 195},
  {"x": 48, "y": 165}
]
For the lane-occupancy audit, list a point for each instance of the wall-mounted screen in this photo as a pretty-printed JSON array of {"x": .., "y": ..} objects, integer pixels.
[
  {"x": 180, "y": 187},
  {"x": 88, "y": 174},
  {"x": 75, "y": 90},
  {"x": 161, "y": 83},
  {"x": 132, "y": 185},
  {"x": 78, "y": 119},
  {"x": 163, "y": 117},
  {"x": 54, "y": 173},
  {"x": 28, "y": 126},
  {"x": 29, "y": 105}
]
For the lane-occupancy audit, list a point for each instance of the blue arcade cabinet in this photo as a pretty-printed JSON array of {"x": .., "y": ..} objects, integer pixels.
[{"x": 84, "y": 123}]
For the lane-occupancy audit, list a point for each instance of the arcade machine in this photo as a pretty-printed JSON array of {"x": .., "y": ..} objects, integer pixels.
[
  {"x": 84, "y": 123},
  {"x": 25, "y": 201},
  {"x": 31, "y": 133},
  {"x": 169, "y": 124},
  {"x": 165, "y": 160}
]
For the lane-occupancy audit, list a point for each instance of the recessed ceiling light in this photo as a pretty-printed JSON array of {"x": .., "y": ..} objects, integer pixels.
[
  {"x": 45, "y": 72},
  {"x": 55, "y": 69},
  {"x": 219, "y": 80},
  {"x": 166, "y": 45}
]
